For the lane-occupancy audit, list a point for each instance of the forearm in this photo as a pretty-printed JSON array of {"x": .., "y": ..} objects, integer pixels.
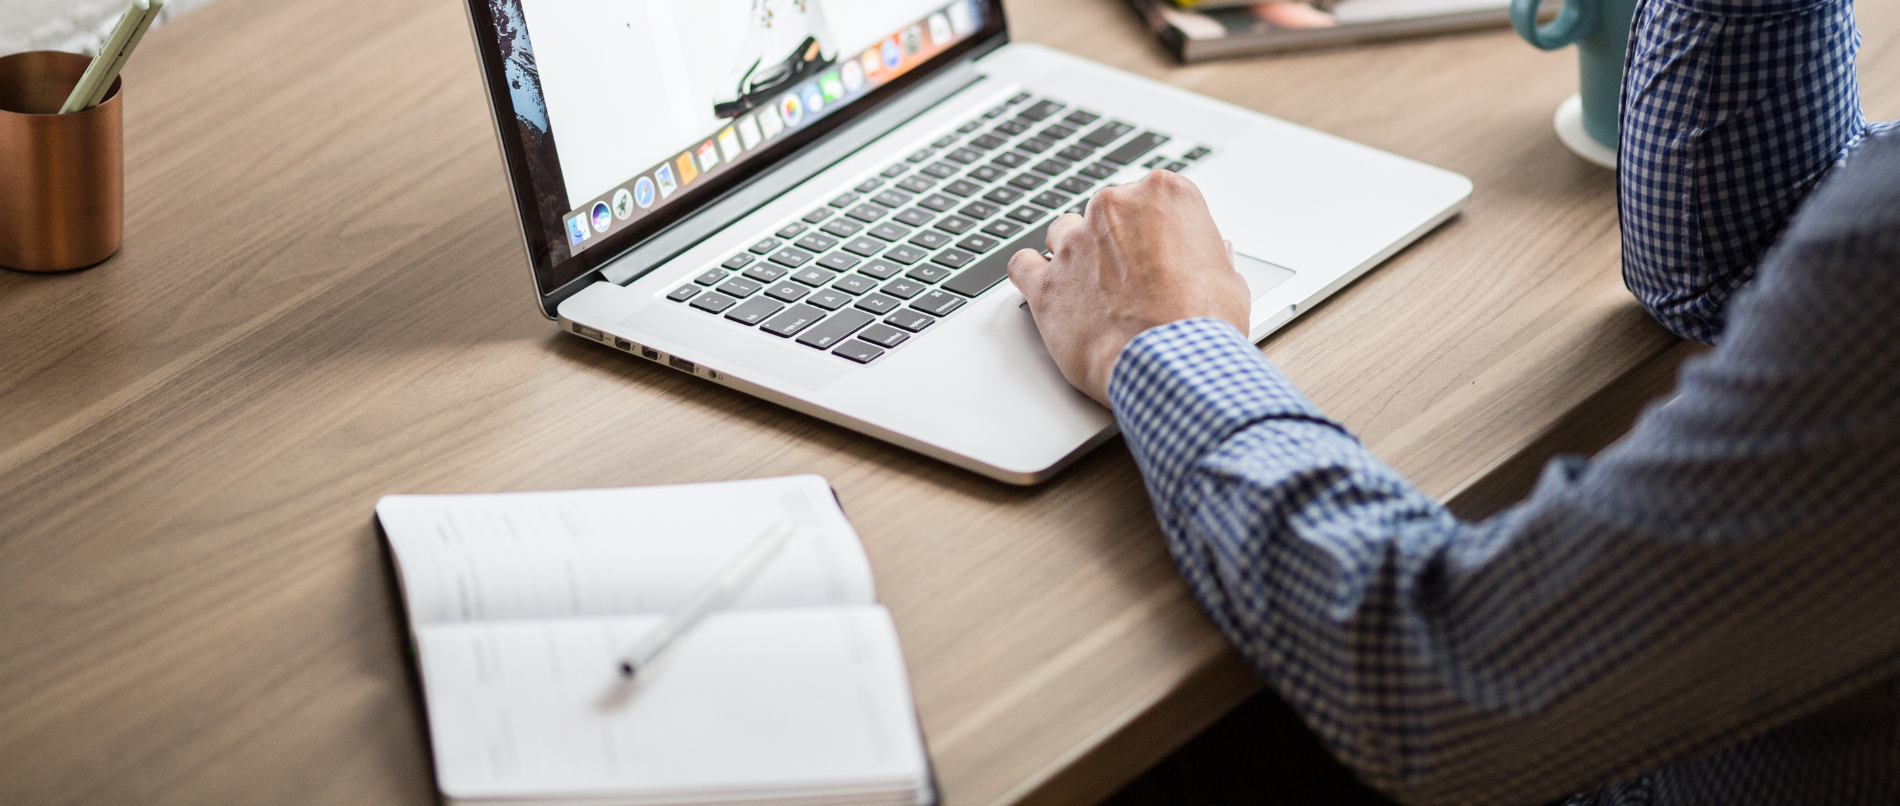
[
  {"x": 1512, "y": 660},
  {"x": 1732, "y": 111}
]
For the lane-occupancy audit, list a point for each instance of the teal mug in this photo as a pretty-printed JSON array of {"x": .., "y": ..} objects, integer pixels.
[{"x": 1601, "y": 31}]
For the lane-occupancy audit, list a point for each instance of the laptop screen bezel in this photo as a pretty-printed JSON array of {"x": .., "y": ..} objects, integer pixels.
[{"x": 554, "y": 280}]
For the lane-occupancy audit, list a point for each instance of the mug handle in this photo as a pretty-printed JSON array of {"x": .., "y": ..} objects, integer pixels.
[{"x": 1576, "y": 21}]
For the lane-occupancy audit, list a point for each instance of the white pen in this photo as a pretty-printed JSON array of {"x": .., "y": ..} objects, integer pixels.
[
  {"x": 717, "y": 594},
  {"x": 104, "y": 84},
  {"x": 132, "y": 23}
]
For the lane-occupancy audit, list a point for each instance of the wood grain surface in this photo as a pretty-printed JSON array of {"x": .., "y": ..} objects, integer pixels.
[{"x": 322, "y": 299}]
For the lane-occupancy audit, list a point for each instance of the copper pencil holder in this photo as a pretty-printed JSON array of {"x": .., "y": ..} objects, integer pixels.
[{"x": 62, "y": 177}]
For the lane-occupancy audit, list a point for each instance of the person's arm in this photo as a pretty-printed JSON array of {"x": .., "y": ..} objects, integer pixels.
[
  {"x": 1732, "y": 110},
  {"x": 1726, "y": 567}
]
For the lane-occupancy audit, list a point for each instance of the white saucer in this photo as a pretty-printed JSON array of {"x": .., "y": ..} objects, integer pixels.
[{"x": 1569, "y": 123}]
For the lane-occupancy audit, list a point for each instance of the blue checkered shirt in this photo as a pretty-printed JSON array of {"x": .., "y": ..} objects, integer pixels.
[{"x": 1708, "y": 612}]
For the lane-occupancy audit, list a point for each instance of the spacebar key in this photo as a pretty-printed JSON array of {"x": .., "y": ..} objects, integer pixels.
[{"x": 992, "y": 269}]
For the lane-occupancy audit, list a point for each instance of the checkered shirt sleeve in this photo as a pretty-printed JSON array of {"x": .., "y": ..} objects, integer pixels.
[
  {"x": 1704, "y": 613},
  {"x": 1732, "y": 111}
]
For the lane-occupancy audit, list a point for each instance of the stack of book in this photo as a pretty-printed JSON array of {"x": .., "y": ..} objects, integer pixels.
[{"x": 1201, "y": 30}]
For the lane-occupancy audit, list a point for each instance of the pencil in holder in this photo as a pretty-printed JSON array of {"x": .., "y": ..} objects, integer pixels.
[{"x": 62, "y": 177}]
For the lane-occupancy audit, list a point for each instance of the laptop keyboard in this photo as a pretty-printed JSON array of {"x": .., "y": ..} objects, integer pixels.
[{"x": 903, "y": 247}]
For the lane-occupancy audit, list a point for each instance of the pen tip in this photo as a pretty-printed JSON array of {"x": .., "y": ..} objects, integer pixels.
[{"x": 626, "y": 670}]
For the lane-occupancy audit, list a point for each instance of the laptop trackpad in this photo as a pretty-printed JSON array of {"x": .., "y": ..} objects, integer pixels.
[{"x": 1260, "y": 275}]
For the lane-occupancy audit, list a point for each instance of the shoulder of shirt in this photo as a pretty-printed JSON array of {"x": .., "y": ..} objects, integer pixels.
[{"x": 1860, "y": 198}]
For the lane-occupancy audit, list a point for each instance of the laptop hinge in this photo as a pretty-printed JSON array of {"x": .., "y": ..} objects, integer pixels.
[{"x": 770, "y": 185}]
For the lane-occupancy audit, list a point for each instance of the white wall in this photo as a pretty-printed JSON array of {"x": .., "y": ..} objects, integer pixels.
[{"x": 70, "y": 25}]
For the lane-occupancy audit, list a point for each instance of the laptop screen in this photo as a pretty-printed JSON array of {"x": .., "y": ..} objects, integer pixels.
[{"x": 621, "y": 116}]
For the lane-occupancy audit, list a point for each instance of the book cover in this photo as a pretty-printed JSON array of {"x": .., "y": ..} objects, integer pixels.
[{"x": 1202, "y": 30}]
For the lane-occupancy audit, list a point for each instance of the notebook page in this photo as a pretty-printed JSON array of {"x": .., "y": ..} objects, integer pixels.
[
  {"x": 752, "y": 702},
  {"x": 587, "y": 553}
]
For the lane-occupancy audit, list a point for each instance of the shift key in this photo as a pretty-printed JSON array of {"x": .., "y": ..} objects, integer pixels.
[
  {"x": 834, "y": 330},
  {"x": 1133, "y": 149}
]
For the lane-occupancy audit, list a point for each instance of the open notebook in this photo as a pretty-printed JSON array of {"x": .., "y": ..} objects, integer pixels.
[{"x": 522, "y": 603}]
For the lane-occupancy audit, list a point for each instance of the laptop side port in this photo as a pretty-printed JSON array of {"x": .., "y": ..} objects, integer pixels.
[
  {"x": 680, "y": 364},
  {"x": 649, "y": 354},
  {"x": 583, "y": 330}
]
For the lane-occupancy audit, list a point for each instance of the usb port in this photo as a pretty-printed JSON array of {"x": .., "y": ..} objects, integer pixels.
[
  {"x": 680, "y": 364},
  {"x": 587, "y": 331}
]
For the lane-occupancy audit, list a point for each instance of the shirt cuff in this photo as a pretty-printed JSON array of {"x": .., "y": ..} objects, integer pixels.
[{"x": 1180, "y": 390}]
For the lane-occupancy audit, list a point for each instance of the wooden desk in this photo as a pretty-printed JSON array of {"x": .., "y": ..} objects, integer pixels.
[{"x": 321, "y": 300}]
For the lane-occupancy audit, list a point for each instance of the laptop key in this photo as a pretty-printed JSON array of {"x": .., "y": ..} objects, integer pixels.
[
  {"x": 1133, "y": 149},
  {"x": 1056, "y": 133},
  {"x": 915, "y": 217},
  {"x": 713, "y": 302},
  {"x": 738, "y": 261},
  {"x": 917, "y": 184},
  {"x": 1196, "y": 153},
  {"x": 955, "y": 225},
  {"x": 1156, "y": 161},
  {"x": 1010, "y": 159},
  {"x": 868, "y": 185},
  {"x": 816, "y": 216},
  {"x": 786, "y": 291},
  {"x": 1040, "y": 110},
  {"x": 864, "y": 247},
  {"x": 953, "y": 258},
  {"x": 941, "y": 170},
  {"x": 814, "y": 276},
  {"x": 988, "y": 141},
  {"x": 842, "y": 227},
  {"x": 881, "y": 269},
  {"x": 794, "y": 319},
  {"x": 764, "y": 246},
  {"x": 835, "y": 329},
  {"x": 937, "y": 303},
  {"x": 1035, "y": 145},
  {"x": 937, "y": 202},
  {"x": 1100, "y": 170},
  {"x": 1002, "y": 229},
  {"x": 1051, "y": 200},
  {"x": 861, "y": 352},
  {"x": 927, "y": 273},
  {"x": 854, "y": 284},
  {"x": 903, "y": 288},
  {"x": 993, "y": 267},
  {"x": 1075, "y": 184},
  {"x": 739, "y": 287},
  {"x": 1076, "y": 153},
  {"x": 1081, "y": 118},
  {"x": 1002, "y": 195},
  {"x": 962, "y": 187},
  {"x": 945, "y": 141},
  {"x": 840, "y": 261},
  {"x": 867, "y": 213},
  {"x": 711, "y": 277},
  {"x": 684, "y": 293},
  {"x": 1011, "y": 128},
  {"x": 790, "y": 257},
  {"x": 894, "y": 171},
  {"x": 979, "y": 210},
  {"x": 919, "y": 156},
  {"x": 884, "y": 336},
  {"x": 970, "y": 127},
  {"x": 878, "y": 303},
  {"x": 815, "y": 243},
  {"x": 913, "y": 321},
  {"x": 963, "y": 156},
  {"x": 765, "y": 272},
  {"x": 996, "y": 113},
  {"x": 1174, "y": 166},
  {"x": 986, "y": 173},
  {"x": 1018, "y": 98},
  {"x": 906, "y": 254},
  {"x": 978, "y": 243},
  {"x": 889, "y": 231},
  {"x": 1053, "y": 167},
  {"x": 1027, "y": 215},
  {"x": 892, "y": 199},
  {"x": 829, "y": 300},
  {"x": 754, "y": 311},
  {"x": 1026, "y": 181},
  {"x": 930, "y": 239},
  {"x": 1108, "y": 133}
]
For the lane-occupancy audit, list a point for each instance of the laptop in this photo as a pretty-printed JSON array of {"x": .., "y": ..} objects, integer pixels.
[{"x": 815, "y": 201}]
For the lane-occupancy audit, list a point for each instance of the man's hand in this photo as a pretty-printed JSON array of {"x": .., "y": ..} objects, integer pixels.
[{"x": 1147, "y": 254}]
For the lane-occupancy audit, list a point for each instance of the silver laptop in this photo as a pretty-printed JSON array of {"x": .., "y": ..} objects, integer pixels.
[{"x": 814, "y": 201}]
